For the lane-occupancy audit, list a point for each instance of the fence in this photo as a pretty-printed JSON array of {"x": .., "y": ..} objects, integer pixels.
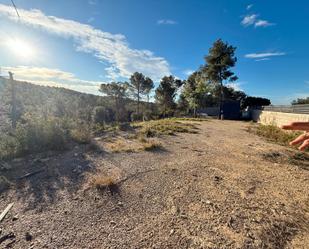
[{"x": 298, "y": 109}]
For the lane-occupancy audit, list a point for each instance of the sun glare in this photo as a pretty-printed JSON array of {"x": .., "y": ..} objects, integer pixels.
[{"x": 21, "y": 48}]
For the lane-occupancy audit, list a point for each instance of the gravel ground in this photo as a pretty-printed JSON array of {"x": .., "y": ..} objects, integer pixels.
[{"x": 214, "y": 189}]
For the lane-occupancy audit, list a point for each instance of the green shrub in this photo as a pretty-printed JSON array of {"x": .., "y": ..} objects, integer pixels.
[
  {"x": 103, "y": 115},
  {"x": 35, "y": 135},
  {"x": 8, "y": 146},
  {"x": 39, "y": 135},
  {"x": 136, "y": 116}
]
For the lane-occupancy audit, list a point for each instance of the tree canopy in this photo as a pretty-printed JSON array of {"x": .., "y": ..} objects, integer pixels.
[{"x": 166, "y": 92}]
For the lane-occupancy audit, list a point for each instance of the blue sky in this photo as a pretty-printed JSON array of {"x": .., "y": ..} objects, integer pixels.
[{"x": 80, "y": 44}]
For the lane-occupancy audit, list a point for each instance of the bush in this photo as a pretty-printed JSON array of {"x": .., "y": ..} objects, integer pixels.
[
  {"x": 81, "y": 134},
  {"x": 8, "y": 146},
  {"x": 136, "y": 116},
  {"x": 103, "y": 115},
  {"x": 38, "y": 135}
]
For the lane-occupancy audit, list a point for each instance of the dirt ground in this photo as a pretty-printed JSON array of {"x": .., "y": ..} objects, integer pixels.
[{"x": 219, "y": 188}]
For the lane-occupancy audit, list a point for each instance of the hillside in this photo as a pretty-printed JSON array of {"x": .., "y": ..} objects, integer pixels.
[{"x": 53, "y": 101}]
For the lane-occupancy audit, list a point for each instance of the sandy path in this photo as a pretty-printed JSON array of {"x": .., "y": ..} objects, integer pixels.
[{"x": 207, "y": 190}]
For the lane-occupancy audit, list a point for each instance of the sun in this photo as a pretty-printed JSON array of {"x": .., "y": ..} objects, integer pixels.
[{"x": 21, "y": 48}]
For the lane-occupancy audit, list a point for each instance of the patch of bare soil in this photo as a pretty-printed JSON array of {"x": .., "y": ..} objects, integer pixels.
[{"x": 218, "y": 188}]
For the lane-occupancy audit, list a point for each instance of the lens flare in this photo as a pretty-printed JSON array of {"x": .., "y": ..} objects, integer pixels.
[{"x": 21, "y": 48}]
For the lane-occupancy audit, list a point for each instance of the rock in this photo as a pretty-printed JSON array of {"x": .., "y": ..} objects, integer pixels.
[
  {"x": 172, "y": 231},
  {"x": 28, "y": 236},
  {"x": 183, "y": 216},
  {"x": 217, "y": 178},
  {"x": 15, "y": 218},
  {"x": 120, "y": 204},
  {"x": 113, "y": 223}
]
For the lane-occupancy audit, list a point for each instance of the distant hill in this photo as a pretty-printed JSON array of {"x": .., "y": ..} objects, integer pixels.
[{"x": 36, "y": 100}]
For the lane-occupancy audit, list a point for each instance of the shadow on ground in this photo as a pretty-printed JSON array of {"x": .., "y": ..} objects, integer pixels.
[{"x": 42, "y": 179}]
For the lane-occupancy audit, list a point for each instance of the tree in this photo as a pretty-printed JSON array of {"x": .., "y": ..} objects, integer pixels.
[
  {"x": 196, "y": 90},
  {"x": 139, "y": 86},
  {"x": 218, "y": 63},
  {"x": 118, "y": 91},
  {"x": 300, "y": 101},
  {"x": 149, "y": 85},
  {"x": 255, "y": 102},
  {"x": 166, "y": 92},
  {"x": 182, "y": 104}
]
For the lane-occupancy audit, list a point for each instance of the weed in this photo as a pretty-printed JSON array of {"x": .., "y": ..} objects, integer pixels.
[
  {"x": 164, "y": 127},
  {"x": 273, "y": 133},
  {"x": 102, "y": 182},
  {"x": 150, "y": 145},
  {"x": 81, "y": 135}
]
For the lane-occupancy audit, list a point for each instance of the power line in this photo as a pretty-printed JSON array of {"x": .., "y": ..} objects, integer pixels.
[{"x": 15, "y": 9}]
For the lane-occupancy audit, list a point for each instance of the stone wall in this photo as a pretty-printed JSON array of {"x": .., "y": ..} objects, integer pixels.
[{"x": 278, "y": 118}]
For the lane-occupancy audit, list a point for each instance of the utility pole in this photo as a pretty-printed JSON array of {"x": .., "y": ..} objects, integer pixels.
[{"x": 13, "y": 96}]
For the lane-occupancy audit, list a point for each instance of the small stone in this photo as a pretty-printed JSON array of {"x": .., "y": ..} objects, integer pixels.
[
  {"x": 120, "y": 204},
  {"x": 208, "y": 202},
  {"x": 183, "y": 216},
  {"x": 15, "y": 218},
  {"x": 28, "y": 236},
  {"x": 217, "y": 178},
  {"x": 112, "y": 222},
  {"x": 172, "y": 231}
]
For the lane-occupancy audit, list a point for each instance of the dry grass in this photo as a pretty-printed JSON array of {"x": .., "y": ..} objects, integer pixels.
[
  {"x": 120, "y": 144},
  {"x": 81, "y": 135},
  {"x": 151, "y": 145},
  {"x": 104, "y": 182},
  {"x": 165, "y": 127},
  {"x": 273, "y": 133}
]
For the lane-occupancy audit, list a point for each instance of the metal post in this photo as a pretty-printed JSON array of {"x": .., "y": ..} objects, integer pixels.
[
  {"x": 221, "y": 114},
  {"x": 13, "y": 96}
]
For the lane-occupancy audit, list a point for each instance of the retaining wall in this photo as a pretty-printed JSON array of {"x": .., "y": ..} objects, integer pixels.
[{"x": 278, "y": 118}]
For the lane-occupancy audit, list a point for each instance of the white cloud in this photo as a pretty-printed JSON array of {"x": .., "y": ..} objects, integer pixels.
[
  {"x": 188, "y": 72},
  {"x": 263, "y": 55},
  {"x": 249, "y": 20},
  {"x": 166, "y": 22},
  {"x": 263, "y": 59},
  {"x": 249, "y": 6},
  {"x": 53, "y": 77},
  {"x": 263, "y": 23},
  {"x": 236, "y": 85},
  {"x": 111, "y": 48}
]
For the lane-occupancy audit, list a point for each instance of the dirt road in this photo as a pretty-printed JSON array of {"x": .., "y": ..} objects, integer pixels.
[{"x": 219, "y": 188}]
